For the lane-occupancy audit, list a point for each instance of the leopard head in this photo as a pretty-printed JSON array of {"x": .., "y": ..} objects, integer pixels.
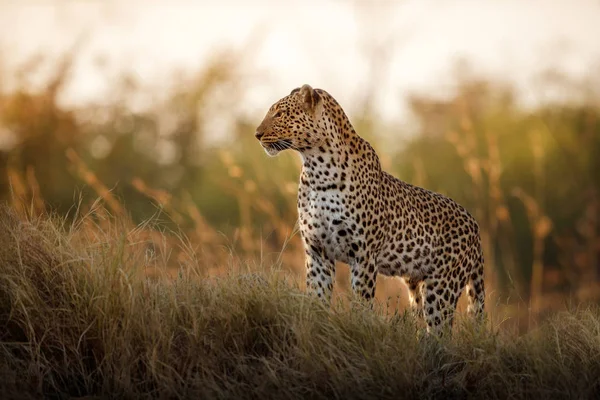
[{"x": 293, "y": 122}]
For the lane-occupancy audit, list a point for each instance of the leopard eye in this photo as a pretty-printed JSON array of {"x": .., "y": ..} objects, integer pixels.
[{"x": 277, "y": 114}]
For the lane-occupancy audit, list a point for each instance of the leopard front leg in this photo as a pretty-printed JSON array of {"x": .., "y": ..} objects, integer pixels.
[
  {"x": 364, "y": 276},
  {"x": 319, "y": 274}
]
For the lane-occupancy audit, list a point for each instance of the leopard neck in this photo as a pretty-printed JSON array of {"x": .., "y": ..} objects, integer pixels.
[{"x": 333, "y": 161}]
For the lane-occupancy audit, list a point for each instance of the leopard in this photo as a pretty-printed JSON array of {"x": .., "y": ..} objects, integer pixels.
[{"x": 351, "y": 211}]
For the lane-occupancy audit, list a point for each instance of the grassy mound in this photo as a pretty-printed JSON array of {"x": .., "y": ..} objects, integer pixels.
[{"x": 78, "y": 318}]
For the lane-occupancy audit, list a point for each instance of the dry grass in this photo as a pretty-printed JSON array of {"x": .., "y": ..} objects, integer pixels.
[{"x": 80, "y": 317}]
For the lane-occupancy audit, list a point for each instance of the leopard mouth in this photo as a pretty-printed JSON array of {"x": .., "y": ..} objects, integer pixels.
[{"x": 273, "y": 148}]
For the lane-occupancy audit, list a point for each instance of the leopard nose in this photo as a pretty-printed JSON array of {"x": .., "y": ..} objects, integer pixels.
[{"x": 258, "y": 135}]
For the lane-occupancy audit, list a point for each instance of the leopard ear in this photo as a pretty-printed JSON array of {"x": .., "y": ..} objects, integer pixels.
[{"x": 310, "y": 96}]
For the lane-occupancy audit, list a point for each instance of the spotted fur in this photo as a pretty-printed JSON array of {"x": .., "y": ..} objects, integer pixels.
[{"x": 352, "y": 211}]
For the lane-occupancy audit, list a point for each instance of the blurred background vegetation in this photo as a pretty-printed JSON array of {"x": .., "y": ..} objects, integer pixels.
[{"x": 530, "y": 175}]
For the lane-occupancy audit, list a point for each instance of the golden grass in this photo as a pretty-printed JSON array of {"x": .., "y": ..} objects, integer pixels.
[{"x": 81, "y": 317}]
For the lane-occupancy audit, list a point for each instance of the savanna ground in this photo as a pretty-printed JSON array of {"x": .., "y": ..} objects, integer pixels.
[
  {"x": 129, "y": 271},
  {"x": 81, "y": 317}
]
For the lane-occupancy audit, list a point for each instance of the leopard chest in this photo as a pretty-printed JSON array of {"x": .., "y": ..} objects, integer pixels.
[{"x": 326, "y": 221}]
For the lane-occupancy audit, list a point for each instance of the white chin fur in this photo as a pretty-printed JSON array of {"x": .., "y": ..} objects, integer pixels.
[{"x": 271, "y": 152}]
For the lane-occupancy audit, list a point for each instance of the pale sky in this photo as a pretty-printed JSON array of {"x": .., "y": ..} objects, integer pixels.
[{"x": 324, "y": 43}]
